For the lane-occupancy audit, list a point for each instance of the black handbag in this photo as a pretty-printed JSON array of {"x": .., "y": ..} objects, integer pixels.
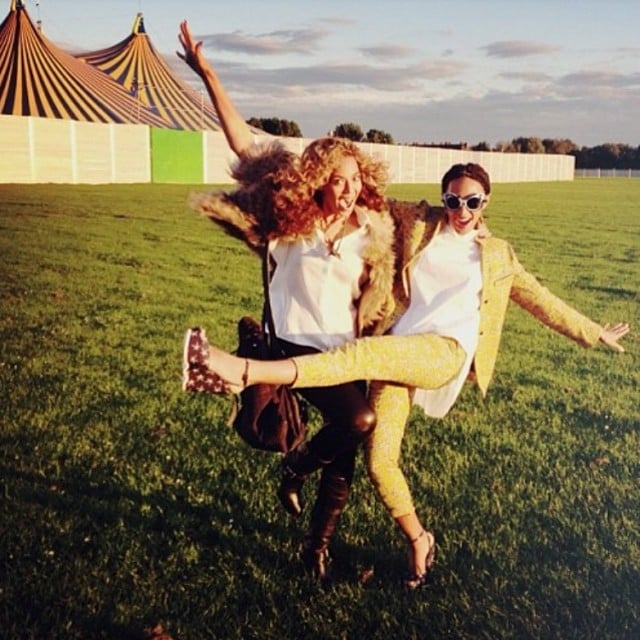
[{"x": 269, "y": 417}]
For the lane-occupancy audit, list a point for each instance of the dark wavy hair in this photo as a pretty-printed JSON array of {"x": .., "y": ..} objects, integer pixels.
[{"x": 468, "y": 170}]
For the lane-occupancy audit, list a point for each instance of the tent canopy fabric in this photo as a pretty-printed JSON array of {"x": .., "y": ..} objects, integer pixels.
[
  {"x": 39, "y": 79},
  {"x": 136, "y": 65}
]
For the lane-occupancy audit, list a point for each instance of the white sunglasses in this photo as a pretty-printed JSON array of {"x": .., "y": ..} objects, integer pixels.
[{"x": 454, "y": 202}]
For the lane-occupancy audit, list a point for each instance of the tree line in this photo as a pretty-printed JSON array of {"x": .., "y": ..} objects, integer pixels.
[
  {"x": 610, "y": 155},
  {"x": 289, "y": 128}
]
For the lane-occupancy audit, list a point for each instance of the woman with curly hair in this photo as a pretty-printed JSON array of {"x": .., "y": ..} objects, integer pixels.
[{"x": 329, "y": 234}]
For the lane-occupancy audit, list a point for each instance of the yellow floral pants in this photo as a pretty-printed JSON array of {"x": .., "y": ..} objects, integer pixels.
[{"x": 396, "y": 365}]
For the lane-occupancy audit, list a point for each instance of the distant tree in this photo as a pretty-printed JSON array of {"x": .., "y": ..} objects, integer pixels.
[
  {"x": 505, "y": 147},
  {"x": 608, "y": 156},
  {"x": 481, "y": 146},
  {"x": 630, "y": 157},
  {"x": 562, "y": 146},
  {"x": 349, "y": 130},
  {"x": 528, "y": 145},
  {"x": 582, "y": 158},
  {"x": 277, "y": 126},
  {"x": 463, "y": 146},
  {"x": 381, "y": 137}
]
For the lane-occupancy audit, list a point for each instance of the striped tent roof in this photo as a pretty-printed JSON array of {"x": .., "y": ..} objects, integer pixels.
[
  {"x": 39, "y": 79},
  {"x": 135, "y": 64}
]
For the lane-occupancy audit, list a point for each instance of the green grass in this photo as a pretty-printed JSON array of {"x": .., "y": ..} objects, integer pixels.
[{"x": 125, "y": 503}]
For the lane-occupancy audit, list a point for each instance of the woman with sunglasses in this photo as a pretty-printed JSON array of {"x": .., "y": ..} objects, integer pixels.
[{"x": 453, "y": 289}]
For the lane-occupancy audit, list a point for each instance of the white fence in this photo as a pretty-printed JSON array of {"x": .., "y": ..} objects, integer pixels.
[
  {"x": 607, "y": 173},
  {"x": 426, "y": 165},
  {"x": 46, "y": 150},
  {"x": 37, "y": 150}
]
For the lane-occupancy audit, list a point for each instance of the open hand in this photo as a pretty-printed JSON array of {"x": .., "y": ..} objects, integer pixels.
[
  {"x": 192, "y": 51},
  {"x": 612, "y": 334}
]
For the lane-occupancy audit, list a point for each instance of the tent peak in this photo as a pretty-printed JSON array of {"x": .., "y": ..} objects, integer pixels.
[{"x": 138, "y": 25}]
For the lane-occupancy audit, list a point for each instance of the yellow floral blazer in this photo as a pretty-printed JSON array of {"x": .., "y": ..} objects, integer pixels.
[{"x": 503, "y": 277}]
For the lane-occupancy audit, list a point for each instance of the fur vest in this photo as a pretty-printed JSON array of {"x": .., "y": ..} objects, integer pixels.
[{"x": 415, "y": 225}]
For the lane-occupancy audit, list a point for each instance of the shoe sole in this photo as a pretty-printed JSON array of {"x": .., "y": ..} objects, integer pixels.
[
  {"x": 186, "y": 367},
  {"x": 185, "y": 361}
]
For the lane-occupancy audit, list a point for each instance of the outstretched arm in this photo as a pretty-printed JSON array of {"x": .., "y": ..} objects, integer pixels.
[
  {"x": 558, "y": 315},
  {"x": 235, "y": 128},
  {"x": 612, "y": 334}
]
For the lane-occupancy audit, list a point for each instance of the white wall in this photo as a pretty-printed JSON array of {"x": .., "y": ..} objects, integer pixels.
[{"x": 34, "y": 150}]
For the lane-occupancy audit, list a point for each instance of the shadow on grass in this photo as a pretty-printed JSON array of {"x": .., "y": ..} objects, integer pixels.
[{"x": 80, "y": 528}]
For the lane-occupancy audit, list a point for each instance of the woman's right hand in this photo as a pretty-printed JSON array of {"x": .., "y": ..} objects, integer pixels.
[{"x": 192, "y": 51}]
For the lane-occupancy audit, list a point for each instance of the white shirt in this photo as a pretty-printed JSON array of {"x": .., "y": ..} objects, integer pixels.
[
  {"x": 446, "y": 283},
  {"x": 313, "y": 293}
]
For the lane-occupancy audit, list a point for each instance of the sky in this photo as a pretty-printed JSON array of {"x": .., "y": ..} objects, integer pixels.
[{"x": 429, "y": 71}]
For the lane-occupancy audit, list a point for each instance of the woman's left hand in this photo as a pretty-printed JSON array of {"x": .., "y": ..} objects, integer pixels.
[
  {"x": 611, "y": 334},
  {"x": 483, "y": 230}
]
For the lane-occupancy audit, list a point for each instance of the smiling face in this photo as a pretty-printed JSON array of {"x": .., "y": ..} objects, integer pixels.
[
  {"x": 462, "y": 220},
  {"x": 339, "y": 195}
]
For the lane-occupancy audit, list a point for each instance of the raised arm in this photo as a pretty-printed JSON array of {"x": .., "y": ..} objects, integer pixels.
[{"x": 235, "y": 128}]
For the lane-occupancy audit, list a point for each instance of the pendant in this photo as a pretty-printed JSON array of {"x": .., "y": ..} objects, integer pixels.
[{"x": 333, "y": 248}]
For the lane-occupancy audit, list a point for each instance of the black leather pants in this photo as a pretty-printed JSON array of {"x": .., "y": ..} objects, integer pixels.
[{"x": 349, "y": 419}]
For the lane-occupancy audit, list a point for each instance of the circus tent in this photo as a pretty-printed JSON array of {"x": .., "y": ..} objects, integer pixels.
[
  {"x": 39, "y": 79},
  {"x": 135, "y": 64}
]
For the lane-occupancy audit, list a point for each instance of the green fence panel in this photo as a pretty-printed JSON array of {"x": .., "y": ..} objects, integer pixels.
[{"x": 176, "y": 156}]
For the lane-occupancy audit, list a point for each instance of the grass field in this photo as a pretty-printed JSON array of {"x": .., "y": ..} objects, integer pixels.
[{"x": 125, "y": 504}]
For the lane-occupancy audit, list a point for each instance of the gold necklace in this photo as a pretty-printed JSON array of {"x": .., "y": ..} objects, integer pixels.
[{"x": 333, "y": 244}]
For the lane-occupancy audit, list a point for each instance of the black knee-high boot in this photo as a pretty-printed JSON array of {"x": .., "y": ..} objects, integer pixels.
[
  {"x": 349, "y": 419},
  {"x": 325, "y": 447},
  {"x": 333, "y": 492}
]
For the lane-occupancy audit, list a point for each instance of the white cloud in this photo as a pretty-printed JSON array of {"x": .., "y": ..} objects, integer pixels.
[
  {"x": 386, "y": 51},
  {"x": 518, "y": 48},
  {"x": 300, "y": 41}
]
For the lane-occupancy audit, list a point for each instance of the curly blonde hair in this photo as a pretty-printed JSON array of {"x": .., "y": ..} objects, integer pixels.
[{"x": 298, "y": 197}]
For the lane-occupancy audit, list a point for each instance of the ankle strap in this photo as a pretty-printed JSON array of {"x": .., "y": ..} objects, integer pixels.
[
  {"x": 422, "y": 533},
  {"x": 245, "y": 375}
]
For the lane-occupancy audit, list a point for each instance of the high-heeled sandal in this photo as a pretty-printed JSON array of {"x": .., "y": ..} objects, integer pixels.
[
  {"x": 290, "y": 491},
  {"x": 317, "y": 563},
  {"x": 417, "y": 580},
  {"x": 196, "y": 375},
  {"x": 294, "y": 475}
]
